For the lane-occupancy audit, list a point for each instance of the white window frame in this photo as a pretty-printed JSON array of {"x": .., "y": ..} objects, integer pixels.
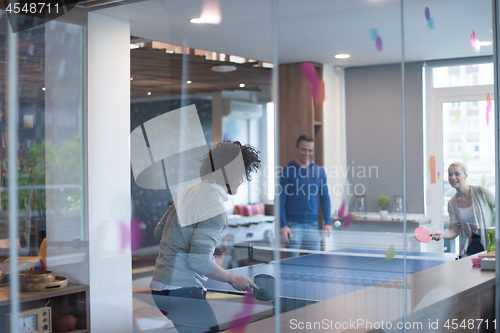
[{"x": 433, "y": 139}]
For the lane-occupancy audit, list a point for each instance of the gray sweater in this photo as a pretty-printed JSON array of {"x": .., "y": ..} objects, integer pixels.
[{"x": 185, "y": 252}]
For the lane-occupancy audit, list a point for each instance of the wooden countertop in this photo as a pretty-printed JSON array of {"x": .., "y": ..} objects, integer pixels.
[{"x": 455, "y": 290}]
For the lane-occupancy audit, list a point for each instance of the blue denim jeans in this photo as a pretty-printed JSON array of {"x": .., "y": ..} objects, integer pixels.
[{"x": 305, "y": 236}]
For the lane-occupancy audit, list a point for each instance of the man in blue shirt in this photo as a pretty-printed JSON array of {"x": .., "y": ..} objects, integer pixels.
[{"x": 303, "y": 186}]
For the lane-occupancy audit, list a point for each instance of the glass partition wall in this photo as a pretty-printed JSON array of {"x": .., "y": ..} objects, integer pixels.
[
  {"x": 172, "y": 156},
  {"x": 42, "y": 144}
]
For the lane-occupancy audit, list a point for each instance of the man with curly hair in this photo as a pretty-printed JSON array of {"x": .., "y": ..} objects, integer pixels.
[{"x": 189, "y": 232}]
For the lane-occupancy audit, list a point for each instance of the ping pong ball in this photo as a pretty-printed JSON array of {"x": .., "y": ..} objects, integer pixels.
[{"x": 337, "y": 224}]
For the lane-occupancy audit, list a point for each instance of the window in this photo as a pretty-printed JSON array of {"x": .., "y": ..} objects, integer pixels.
[
  {"x": 462, "y": 129},
  {"x": 461, "y": 76},
  {"x": 476, "y": 132}
]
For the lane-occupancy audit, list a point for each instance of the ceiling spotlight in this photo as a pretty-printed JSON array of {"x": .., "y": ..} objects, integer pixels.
[
  {"x": 210, "y": 17},
  {"x": 188, "y": 82},
  {"x": 223, "y": 68},
  {"x": 342, "y": 56},
  {"x": 197, "y": 20},
  {"x": 134, "y": 46},
  {"x": 242, "y": 85},
  {"x": 43, "y": 88},
  {"x": 149, "y": 93},
  {"x": 485, "y": 43},
  {"x": 131, "y": 78}
]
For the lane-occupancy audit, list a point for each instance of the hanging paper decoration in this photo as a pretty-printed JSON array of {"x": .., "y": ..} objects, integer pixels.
[
  {"x": 475, "y": 43},
  {"x": 389, "y": 255},
  {"x": 432, "y": 168},
  {"x": 242, "y": 318},
  {"x": 438, "y": 175},
  {"x": 210, "y": 13},
  {"x": 373, "y": 34},
  {"x": 376, "y": 38},
  {"x": 341, "y": 211},
  {"x": 483, "y": 181},
  {"x": 457, "y": 116},
  {"x": 311, "y": 75},
  {"x": 378, "y": 44},
  {"x": 430, "y": 20},
  {"x": 348, "y": 220}
]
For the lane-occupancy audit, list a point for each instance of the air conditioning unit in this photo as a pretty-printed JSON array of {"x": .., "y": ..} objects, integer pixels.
[{"x": 244, "y": 110}]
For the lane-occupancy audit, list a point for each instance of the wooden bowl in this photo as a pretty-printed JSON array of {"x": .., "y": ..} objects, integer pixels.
[
  {"x": 59, "y": 283},
  {"x": 34, "y": 276}
]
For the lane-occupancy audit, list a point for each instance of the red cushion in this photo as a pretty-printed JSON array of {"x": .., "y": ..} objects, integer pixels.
[{"x": 249, "y": 210}]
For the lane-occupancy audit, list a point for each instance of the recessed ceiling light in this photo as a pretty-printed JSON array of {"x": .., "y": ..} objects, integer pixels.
[
  {"x": 149, "y": 93},
  {"x": 188, "y": 82},
  {"x": 210, "y": 16},
  {"x": 485, "y": 43},
  {"x": 223, "y": 68},
  {"x": 43, "y": 88},
  {"x": 131, "y": 78},
  {"x": 342, "y": 56},
  {"x": 197, "y": 20},
  {"x": 134, "y": 46},
  {"x": 242, "y": 85}
]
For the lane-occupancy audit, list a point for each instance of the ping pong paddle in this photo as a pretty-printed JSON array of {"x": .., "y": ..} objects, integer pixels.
[
  {"x": 422, "y": 235},
  {"x": 265, "y": 282}
]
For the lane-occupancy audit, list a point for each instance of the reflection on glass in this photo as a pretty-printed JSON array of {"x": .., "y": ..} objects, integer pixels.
[{"x": 52, "y": 230}]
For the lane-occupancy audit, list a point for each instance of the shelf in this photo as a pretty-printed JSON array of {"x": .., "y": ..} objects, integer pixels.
[
  {"x": 27, "y": 296},
  {"x": 72, "y": 299}
]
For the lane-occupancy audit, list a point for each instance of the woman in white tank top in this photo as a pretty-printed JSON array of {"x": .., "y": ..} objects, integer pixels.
[{"x": 471, "y": 212}]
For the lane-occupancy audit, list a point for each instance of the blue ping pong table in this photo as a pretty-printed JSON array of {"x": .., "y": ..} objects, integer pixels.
[{"x": 318, "y": 277}]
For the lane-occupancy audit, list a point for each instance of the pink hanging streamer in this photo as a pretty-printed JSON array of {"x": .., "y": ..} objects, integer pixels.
[
  {"x": 347, "y": 220},
  {"x": 473, "y": 40},
  {"x": 378, "y": 44},
  {"x": 310, "y": 75},
  {"x": 242, "y": 318},
  {"x": 132, "y": 236},
  {"x": 341, "y": 211},
  {"x": 488, "y": 110}
]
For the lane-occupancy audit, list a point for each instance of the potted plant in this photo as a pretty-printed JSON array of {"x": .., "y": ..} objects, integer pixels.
[{"x": 383, "y": 202}]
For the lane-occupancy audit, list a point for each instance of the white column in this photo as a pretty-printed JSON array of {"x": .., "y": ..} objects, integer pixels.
[
  {"x": 109, "y": 174},
  {"x": 335, "y": 138}
]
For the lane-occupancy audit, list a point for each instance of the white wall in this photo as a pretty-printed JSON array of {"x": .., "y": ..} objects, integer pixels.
[
  {"x": 109, "y": 173},
  {"x": 374, "y": 133},
  {"x": 334, "y": 129}
]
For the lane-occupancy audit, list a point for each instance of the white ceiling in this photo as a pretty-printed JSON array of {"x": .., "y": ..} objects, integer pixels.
[{"x": 316, "y": 30}]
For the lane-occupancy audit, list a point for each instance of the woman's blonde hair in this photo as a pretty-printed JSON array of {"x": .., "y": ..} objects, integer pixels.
[{"x": 460, "y": 165}]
